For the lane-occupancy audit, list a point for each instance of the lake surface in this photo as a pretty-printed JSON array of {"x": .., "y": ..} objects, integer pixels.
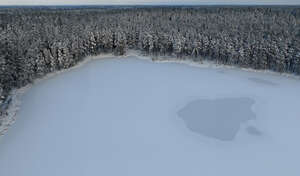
[{"x": 134, "y": 117}]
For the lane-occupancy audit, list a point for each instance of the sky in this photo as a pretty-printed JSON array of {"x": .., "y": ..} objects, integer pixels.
[{"x": 107, "y": 2}]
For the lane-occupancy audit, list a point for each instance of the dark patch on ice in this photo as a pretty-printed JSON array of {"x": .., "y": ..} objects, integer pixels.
[
  {"x": 221, "y": 71},
  {"x": 262, "y": 81},
  {"x": 253, "y": 131},
  {"x": 219, "y": 118}
]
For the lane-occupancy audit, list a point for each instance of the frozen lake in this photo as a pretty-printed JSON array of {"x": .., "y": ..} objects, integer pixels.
[{"x": 133, "y": 117}]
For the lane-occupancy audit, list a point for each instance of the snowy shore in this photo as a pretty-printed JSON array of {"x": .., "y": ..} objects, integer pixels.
[{"x": 11, "y": 107}]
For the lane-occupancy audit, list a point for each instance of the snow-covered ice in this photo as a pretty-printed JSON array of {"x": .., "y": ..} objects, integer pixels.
[{"x": 139, "y": 118}]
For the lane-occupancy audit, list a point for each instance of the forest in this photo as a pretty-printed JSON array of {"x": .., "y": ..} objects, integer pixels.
[{"x": 37, "y": 41}]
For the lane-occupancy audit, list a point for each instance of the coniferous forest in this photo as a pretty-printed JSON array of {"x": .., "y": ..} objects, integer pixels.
[{"x": 37, "y": 41}]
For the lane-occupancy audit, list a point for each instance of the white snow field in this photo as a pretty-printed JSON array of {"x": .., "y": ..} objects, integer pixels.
[{"x": 133, "y": 117}]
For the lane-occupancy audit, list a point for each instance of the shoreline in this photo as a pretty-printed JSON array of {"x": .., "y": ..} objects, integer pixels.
[{"x": 13, "y": 105}]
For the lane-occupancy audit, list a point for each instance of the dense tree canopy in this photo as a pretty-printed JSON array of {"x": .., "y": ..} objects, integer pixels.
[{"x": 34, "y": 42}]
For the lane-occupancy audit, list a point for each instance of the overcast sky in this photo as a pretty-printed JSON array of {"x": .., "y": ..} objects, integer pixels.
[{"x": 101, "y": 2}]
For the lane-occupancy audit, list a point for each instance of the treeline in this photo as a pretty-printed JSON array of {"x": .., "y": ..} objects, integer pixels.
[{"x": 34, "y": 42}]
